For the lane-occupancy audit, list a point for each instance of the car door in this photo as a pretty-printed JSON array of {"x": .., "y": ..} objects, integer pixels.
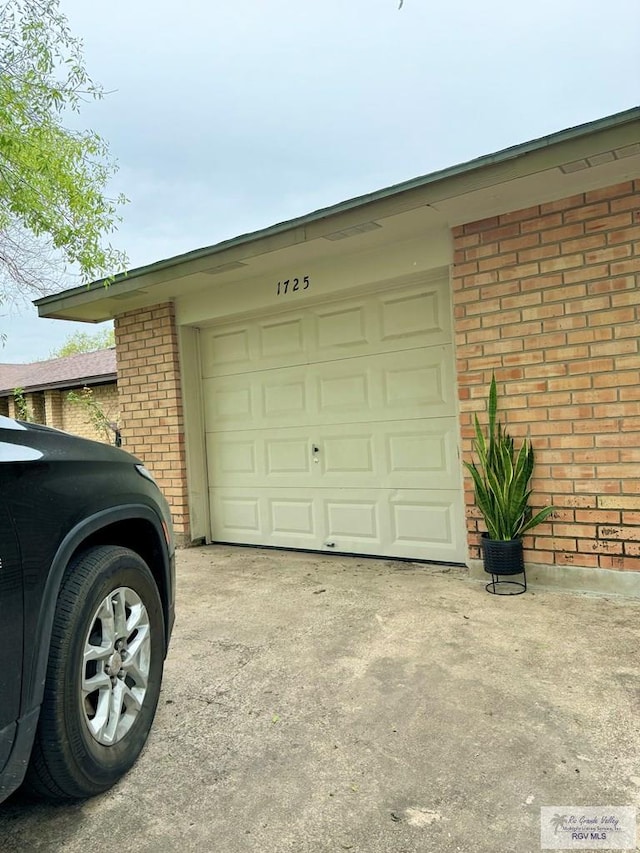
[{"x": 11, "y": 625}]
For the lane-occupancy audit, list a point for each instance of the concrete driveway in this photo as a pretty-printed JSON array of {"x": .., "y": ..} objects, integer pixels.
[{"x": 317, "y": 703}]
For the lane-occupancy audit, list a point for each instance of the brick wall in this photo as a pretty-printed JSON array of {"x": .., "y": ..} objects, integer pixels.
[
  {"x": 548, "y": 298},
  {"x": 53, "y": 408},
  {"x": 35, "y": 402},
  {"x": 150, "y": 401},
  {"x": 75, "y": 418}
]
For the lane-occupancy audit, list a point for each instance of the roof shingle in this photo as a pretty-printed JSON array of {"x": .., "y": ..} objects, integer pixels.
[{"x": 72, "y": 371}]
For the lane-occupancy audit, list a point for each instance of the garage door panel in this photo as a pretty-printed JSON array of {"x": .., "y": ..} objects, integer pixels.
[
  {"x": 417, "y": 314},
  {"x": 395, "y": 454},
  {"x": 427, "y": 522},
  {"x": 240, "y": 515},
  {"x": 423, "y": 454},
  {"x": 420, "y": 384},
  {"x": 401, "y": 523},
  {"x": 278, "y": 338},
  {"x": 418, "y": 452},
  {"x": 257, "y": 458},
  {"x": 343, "y": 327},
  {"x": 285, "y": 456},
  {"x": 347, "y": 455},
  {"x": 386, "y": 321},
  {"x": 236, "y": 457},
  {"x": 292, "y": 517},
  {"x": 228, "y": 349},
  {"x": 349, "y": 389},
  {"x": 353, "y": 519},
  {"x": 417, "y": 386},
  {"x": 232, "y": 404},
  {"x": 287, "y": 518},
  {"x": 409, "y": 384},
  {"x": 284, "y": 398}
]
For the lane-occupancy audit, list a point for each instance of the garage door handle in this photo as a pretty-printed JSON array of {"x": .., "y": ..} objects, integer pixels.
[{"x": 315, "y": 450}]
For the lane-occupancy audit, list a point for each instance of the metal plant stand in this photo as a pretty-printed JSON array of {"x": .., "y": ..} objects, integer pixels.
[
  {"x": 504, "y": 559},
  {"x": 507, "y": 587}
]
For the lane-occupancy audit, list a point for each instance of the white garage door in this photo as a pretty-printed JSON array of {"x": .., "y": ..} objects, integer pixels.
[{"x": 334, "y": 428}]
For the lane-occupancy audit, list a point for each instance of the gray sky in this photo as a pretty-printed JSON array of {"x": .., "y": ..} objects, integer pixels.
[{"x": 230, "y": 116}]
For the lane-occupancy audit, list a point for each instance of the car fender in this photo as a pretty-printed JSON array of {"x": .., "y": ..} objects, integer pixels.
[{"x": 33, "y": 688}]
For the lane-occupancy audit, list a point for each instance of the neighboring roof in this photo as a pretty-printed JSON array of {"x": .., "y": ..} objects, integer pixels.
[
  {"x": 72, "y": 371},
  {"x": 57, "y": 305}
]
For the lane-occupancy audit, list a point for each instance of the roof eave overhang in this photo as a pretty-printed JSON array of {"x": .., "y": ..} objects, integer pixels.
[
  {"x": 65, "y": 384},
  {"x": 485, "y": 171}
]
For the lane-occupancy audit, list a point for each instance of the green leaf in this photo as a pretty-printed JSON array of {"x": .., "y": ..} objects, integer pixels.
[
  {"x": 80, "y": 342},
  {"x": 53, "y": 179},
  {"x": 501, "y": 477}
]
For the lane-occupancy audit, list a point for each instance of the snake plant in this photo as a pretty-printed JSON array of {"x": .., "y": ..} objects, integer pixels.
[{"x": 501, "y": 478}]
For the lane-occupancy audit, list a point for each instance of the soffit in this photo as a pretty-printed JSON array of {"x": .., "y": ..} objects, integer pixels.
[{"x": 545, "y": 174}]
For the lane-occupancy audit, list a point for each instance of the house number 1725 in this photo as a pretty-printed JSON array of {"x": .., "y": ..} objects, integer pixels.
[{"x": 290, "y": 285}]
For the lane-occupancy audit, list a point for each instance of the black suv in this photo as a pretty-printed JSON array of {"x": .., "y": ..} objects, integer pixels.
[{"x": 86, "y": 610}]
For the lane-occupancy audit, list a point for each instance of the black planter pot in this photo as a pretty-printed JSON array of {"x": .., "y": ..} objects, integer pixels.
[{"x": 503, "y": 558}]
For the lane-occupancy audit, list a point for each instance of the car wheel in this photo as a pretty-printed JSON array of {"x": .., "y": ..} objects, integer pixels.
[{"x": 103, "y": 677}]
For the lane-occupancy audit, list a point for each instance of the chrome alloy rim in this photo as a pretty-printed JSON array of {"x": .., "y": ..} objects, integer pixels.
[{"x": 115, "y": 666}]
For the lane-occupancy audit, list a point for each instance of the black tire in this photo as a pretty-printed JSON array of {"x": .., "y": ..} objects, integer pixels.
[{"x": 69, "y": 760}]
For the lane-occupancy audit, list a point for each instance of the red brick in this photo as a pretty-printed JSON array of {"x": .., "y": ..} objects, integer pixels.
[
  {"x": 541, "y": 223},
  {"x": 612, "y": 253},
  {"x": 624, "y": 235},
  {"x": 562, "y": 263},
  {"x": 600, "y": 547},
  {"x": 585, "y": 274},
  {"x": 520, "y": 300},
  {"x": 539, "y": 312},
  {"x": 555, "y": 543},
  {"x": 582, "y": 560},
  {"x": 516, "y": 244},
  {"x": 626, "y": 297},
  {"x": 495, "y": 290},
  {"x": 614, "y": 317},
  {"x": 583, "y": 244},
  {"x": 542, "y": 284},
  {"x": 563, "y": 233},
  {"x": 519, "y": 215},
  {"x": 562, "y": 323},
  {"x": 466, "y": 269},
  {"x": 629, "y": 202},
  {"x": 611, "y": 192},
  {"x": 608, "y": 223},
  {"x": 586, "y": 211},
  {"x": 565, "y": 293},
  {"x": 625, "y": 267},
  {"x": 519, "y": 271},
  {"x": 465, "y": 241},
  {"x": 502, "y": 232},
  {"x": 563, "y": 204},
  {"x": 481, "y": 225},
  {"x": 474, "y": 253},
  {"x": 582, "y": 336},
  {"x": 480, "y": 278},
  {"x": 497, "y": 262}
]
